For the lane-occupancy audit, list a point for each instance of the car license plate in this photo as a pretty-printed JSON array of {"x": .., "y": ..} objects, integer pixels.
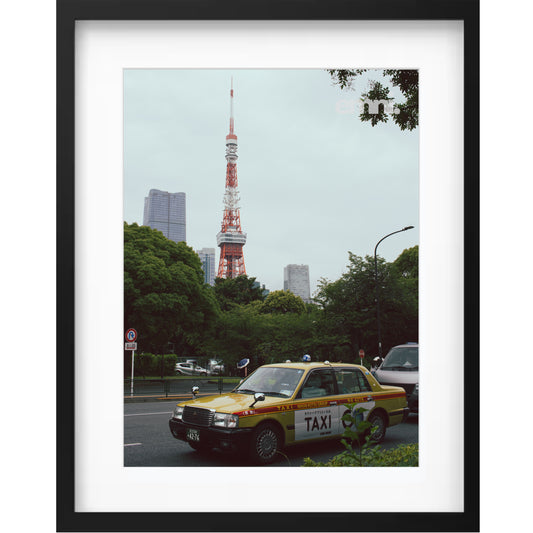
[{"x": 193, "y": 434}]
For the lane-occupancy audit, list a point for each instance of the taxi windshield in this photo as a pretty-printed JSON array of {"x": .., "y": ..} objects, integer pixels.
[
  {"x": 401, "y": 359},
  {"x": 272, "y": 381}
]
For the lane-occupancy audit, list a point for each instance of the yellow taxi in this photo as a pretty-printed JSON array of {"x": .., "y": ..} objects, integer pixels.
[{"x": 283, "y": 404}]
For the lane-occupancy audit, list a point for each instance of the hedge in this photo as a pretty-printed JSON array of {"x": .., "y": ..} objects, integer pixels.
[{"x": 148, "y": 364}]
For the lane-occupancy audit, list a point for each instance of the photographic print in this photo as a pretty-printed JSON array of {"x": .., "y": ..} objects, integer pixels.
[
  {"x": 268, "y": 190},
  {"x": 271, "y": 231}
]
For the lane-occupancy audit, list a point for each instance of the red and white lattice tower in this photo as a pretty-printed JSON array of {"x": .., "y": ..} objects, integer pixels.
[{"x": 231, "y": 238}]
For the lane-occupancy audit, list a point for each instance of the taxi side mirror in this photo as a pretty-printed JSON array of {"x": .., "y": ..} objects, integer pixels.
[
  {"x": 258, "y": 397},
  {"x": 195, "y": 390}
]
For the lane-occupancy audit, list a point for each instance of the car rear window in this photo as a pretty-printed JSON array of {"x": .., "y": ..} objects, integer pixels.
[{"x": 351, "y": 380}]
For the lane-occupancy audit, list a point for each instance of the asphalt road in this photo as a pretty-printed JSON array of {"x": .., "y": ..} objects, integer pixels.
[{"x": 148, "y": 441}]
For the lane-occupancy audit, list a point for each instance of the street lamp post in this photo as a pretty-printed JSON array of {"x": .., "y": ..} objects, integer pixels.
[{"x": 376, "y": 283}]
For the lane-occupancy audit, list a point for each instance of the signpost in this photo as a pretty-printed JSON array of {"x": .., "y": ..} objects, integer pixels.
[
  {"x": 361, "y": 355},
  {"x": 131, "y": 336},
  {"x": 243, "y": 363}
]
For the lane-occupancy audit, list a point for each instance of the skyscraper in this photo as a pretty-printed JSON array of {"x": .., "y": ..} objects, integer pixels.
[
  {"x": 165, "y": 212},
  {"x": 207, "y": 256},
  {"x": 296, "y": 280}
]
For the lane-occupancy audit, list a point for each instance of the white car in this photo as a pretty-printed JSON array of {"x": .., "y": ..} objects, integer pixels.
[
  {"x": 190, "y": 369},
  {"x": 400, "y": 369},
  {"x": 215, "y": 367}
]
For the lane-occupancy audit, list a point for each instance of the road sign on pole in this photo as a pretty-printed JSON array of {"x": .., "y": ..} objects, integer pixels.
[
  {"x": 131, "y": 335},
  {"x": 362, "y": 354}
]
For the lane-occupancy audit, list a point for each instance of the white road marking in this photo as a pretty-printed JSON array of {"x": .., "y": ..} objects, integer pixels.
[
  {"x": 146, "y": 414},
  {"x": 134, "y": 444}
]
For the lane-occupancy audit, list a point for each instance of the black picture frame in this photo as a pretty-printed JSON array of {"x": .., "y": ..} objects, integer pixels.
[{"x": 70, "y": 11}]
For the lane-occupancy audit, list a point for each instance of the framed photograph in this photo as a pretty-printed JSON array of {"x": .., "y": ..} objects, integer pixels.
[{"x": 227, "y": 177}]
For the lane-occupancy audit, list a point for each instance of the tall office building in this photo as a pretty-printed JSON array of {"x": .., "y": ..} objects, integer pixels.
[
  {"x": 296, "y": 280},
  {"x": 207, "y": 256},
  {"x": 165, "y": 211}
]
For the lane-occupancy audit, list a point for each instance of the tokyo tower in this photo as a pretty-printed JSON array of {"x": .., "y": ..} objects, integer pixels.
[{"x": 231, "y": 238}]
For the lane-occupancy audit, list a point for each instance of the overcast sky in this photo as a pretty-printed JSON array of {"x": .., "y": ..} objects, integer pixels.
[{"x": 314, "y": 182}]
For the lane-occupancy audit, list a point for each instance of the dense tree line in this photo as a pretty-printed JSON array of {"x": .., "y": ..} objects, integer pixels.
[
  {"x": 165, "y": 297},
  {"x": 175, "y": 311}
]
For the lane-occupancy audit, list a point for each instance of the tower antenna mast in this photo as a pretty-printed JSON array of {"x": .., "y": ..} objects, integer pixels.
[{"x": 231, "y": 238}]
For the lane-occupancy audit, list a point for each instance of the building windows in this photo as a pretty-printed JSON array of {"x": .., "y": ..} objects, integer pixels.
[
  {"x": 165, "y": 212},
  {"x": 207, "y": 257},
  {"x": 296, "y": 280}
]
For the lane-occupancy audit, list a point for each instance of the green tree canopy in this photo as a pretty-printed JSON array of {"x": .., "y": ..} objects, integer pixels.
[
  {"x": 165, "y": 297},
  {"x": 283, "y": 302},
  {"x": 237, "y": 291},
  {"x": 236, "y": 335},
  {"x": 407, "y": 264},
  {"x": 406, "y": 116},
  {"x": 247, "y": 331},
  {"x": 406, "y": 271},
  {"x": 349, "y": 305}
]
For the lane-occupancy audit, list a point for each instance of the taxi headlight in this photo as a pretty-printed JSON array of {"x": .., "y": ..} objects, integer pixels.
[
  {"x": 224, "y": 420},
  {"x": 178, "y": 413}
]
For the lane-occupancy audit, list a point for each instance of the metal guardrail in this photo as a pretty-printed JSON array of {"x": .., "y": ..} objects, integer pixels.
[{"x": 171, "y": 387}]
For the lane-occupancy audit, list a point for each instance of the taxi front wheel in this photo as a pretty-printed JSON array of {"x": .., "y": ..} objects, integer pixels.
[{"x": 265, "y": 443}]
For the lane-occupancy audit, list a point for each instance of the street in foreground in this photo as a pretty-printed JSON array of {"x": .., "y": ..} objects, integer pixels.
[{"x": 148, "y": 442}]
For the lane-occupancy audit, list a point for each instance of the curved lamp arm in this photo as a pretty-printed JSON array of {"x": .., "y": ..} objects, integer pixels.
[{"x": 376, "y": 281}]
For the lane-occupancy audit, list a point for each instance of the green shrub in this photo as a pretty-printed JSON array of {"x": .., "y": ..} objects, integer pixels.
[
  {"x": 357, "y": 439},
  {"x": 401, "y": 455},
  {"x": 148, "y": 364},
  {"x": 144, "y": 364},
  {"x": 170, "y": 364}
]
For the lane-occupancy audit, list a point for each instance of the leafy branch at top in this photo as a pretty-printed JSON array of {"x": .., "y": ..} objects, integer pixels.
[{"x": 404, "y": 114}]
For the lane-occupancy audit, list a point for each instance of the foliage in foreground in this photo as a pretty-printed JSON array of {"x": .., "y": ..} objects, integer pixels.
[
  {"x": 402, "y": 455},
  {"x": 360, "y": 451}
]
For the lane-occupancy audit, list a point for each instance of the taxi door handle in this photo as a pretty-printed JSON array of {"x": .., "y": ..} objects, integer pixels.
[{"x": 369, "y": 399}]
